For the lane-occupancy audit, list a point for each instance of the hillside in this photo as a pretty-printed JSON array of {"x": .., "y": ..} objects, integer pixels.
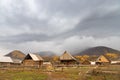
[
  {"x": 99, "y": 50},
  {"x": 16, "y": 54}
]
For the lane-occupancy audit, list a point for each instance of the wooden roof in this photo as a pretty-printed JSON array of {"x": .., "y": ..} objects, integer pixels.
[
  {"x": 16, "y": 60},
  {"x": 5, "y": 59},
  {"x": 35, "y": 57},
  {"x": 66, "y": 56}
]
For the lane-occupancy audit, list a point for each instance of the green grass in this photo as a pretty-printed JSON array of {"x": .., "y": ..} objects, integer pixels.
[
  {"x": 22, "y": 75},
  {"x": 78, "y": 73}
]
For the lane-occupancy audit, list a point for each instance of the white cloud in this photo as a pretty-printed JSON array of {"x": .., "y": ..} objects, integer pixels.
[{"x": 76, "y": 43}]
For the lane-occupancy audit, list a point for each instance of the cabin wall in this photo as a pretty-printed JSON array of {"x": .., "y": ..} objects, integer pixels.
[
  {"x": 32, "y": 63},
  {"x": 68, "y": 62},
  {"x": 5, "y": 64}
]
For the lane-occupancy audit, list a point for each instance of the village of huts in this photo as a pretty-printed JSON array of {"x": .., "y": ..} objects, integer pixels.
[{"x": 66, "y": 59}]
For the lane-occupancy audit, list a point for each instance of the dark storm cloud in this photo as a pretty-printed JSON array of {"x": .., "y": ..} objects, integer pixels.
[
  {"x": 100, "y": 26},
  {"x": 59, "y": 23},
  {"x": 25, "y": 38}
]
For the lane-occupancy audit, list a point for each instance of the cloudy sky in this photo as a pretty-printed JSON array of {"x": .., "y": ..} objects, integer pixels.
[{"x": 58, "y": 25}]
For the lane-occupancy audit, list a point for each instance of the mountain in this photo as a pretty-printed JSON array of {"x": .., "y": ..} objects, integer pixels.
[
  {"x": 16, "y": 54},
  {"x": 99, "y": 50},
  {"x": 46, "y": 53}
]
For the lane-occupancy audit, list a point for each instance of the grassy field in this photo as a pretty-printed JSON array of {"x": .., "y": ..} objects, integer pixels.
[
  {"x": 22, "y": 75},
  {"x": 74, "y": 73}
]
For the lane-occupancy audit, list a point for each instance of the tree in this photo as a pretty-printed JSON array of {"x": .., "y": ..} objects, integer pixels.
[
  {"x": 82, "y": 58},
  {"x": 55, "y": 58},
  {"x": 112, "y": 55}
]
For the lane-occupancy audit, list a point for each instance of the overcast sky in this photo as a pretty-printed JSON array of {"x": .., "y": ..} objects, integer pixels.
[{"x": 58, "y": 25}]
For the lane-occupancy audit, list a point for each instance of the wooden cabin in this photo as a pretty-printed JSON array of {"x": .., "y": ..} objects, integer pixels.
[
  {"x": 33, "y": 60},
  {"x": 67, "y": 59},
  {"x": 5, "y": 61},
  {"x": 101, "y": 60}
]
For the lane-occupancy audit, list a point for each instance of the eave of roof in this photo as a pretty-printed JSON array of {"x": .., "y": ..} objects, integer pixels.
[
  {"x": 36, "y": 57},
  {"x": 6, "y": 59},
  {"x": 66, "y": 56}
]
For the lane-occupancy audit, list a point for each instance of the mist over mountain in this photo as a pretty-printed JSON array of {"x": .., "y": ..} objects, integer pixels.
[
  {"x": 46, "y": 53},
  {"x": 99, "y": 50}
]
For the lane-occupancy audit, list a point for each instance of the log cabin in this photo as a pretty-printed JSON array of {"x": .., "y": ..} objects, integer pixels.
[{"x": 33, "y": 60}]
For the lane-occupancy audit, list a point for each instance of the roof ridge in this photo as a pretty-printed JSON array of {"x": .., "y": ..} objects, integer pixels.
[{"x": 69, "y": 56}]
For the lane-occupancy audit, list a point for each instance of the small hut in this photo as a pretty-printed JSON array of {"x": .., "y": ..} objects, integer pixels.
[
  {"x": 5, "y": 61},
  {"x": 34, "y": 60},
  {"x": 102, "y": 60},
  {"x": 67, "y": 59}
]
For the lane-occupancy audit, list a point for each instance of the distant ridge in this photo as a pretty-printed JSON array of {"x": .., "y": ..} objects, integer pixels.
[
  {"x": 16, "y": 54},
  {"x": 99, "y": 50},
  {"x": 46, "y": 53}
]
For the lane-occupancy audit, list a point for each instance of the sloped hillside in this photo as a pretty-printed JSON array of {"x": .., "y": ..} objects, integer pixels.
[{"x": 99, "y": 50}]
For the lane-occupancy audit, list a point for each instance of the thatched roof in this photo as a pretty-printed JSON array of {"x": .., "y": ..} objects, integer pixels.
[
  {"x": 66, "y": 56},
  {"x": 102, "y": 59},
  {"x": 35, "y": 57}
]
